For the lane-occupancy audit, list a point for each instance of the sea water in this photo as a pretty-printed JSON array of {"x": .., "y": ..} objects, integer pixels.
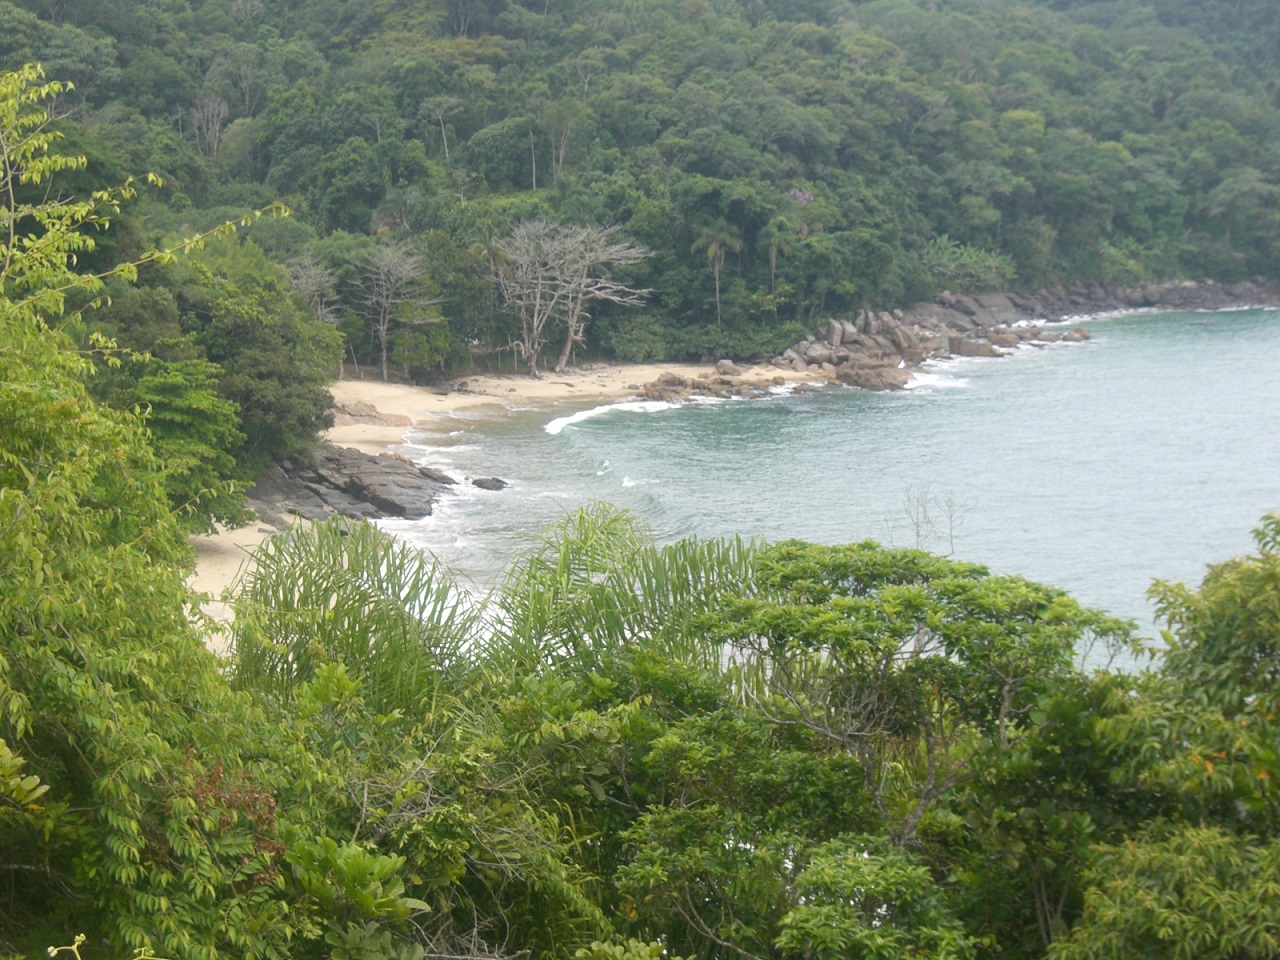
[{"x": 1145, "y": 453}]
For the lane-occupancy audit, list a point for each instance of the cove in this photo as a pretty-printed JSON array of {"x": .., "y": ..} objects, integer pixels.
[{"x": 1145, "y": 453}]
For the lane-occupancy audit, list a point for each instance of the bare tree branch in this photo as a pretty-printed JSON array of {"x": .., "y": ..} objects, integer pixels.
[{"x": 549, "y": 273}]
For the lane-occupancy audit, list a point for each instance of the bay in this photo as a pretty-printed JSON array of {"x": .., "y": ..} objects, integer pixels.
[{"x": 1145, "y": 453}]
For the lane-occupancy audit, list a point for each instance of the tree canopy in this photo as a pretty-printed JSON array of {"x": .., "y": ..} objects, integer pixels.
[{"x": 782, "y": 161}]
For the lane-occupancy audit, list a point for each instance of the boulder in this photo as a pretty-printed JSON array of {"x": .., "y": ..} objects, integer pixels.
[
  {"x": 665, "y": 394},
  {"x": 727, "y": 368},
  {"x": 964, "y": 347},
  {"x": 874, "y": 377},
  {"x": 669, "y": 387},
  {"x": 818, "y": 353},
  {"x": 901, "y": 337},
  {"x": 996, "y": 308},
  {"x": 340, "y": 480},
  {"x": 437, "y": 476},
  {"x": 393, "y": 496},
  {"x": 489, "y": 483},
  {"x": 835, "y": 332}
]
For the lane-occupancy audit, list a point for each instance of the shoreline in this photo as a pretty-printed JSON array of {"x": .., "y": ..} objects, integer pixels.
[{"x": 374, "y": 417}]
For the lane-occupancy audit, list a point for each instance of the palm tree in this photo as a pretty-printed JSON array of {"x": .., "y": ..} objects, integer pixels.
[
  {"x": 715, "y": 236},
  {"x": 776, "y": 239}
]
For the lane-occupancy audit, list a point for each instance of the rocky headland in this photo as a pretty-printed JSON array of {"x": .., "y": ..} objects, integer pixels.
[{"x": 880, "y": 349}]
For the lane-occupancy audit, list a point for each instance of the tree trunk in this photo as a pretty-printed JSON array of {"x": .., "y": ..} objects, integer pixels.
[{"x": 717, "y": 273}]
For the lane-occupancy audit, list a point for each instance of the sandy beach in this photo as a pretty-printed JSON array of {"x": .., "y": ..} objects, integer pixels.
[{"x": 395, "y": 408}]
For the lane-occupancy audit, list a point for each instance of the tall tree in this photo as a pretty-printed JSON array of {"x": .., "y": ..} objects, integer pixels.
[
  {"x": 549, "y": 272},
  {"x": 715, "y": 237},
  {"x": 390, "y": 282}
]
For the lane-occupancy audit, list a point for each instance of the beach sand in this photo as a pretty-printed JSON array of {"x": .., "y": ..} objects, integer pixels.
[{"x": 222, "y": 556}]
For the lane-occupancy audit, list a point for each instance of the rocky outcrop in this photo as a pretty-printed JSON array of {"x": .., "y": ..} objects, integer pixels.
[
  {"x": 877, "y": 349},
  {"x": 674, "y": 388},
  {"x": 357, "y": 411},
  {"x": 343, "y": 481}
]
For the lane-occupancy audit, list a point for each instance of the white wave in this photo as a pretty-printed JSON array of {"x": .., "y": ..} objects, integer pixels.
[
  {"x": 629, "y": 406},
  {"x": 629, "y": 482},
  {"x": 936, "y": 380}
]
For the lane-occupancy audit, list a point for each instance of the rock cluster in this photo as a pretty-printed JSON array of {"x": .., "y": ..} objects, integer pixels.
[
  {"x": 340, "y": 480},
  {"x": 877, "y": 349},
  {"x": 674, "y": 388}
]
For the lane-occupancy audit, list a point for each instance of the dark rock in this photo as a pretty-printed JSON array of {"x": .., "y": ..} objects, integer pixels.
[
  {"x": 437, "y": 476},
  {"x": 344, "y": 481},
  {"x": 393, "y": 496},
  {"x": 489, "y": 483}
]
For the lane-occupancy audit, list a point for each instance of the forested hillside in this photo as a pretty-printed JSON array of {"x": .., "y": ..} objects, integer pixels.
[
  {"x": 710, "y": 749},
  {"x": 782, "y": 161}
]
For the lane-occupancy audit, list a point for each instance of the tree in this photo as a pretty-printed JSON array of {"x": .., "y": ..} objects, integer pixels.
[
  {"x": 550, "y": 272},
  {"x": 318, "y": 286},
  {"x": 438, "y": 108},
  {"x": 101, "y": 670},
  {"x": 1200, "y": 892},
  {"x": 391, "y": 292},
  {"x": 923, "y": 668},
  {"x": 193, "y": 431},
  {"x": 209, "y": 113},
  {"x": 715, "y": 237}
]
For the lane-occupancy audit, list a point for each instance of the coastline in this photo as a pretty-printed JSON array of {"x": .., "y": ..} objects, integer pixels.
[{"x": 373, "y": 417}]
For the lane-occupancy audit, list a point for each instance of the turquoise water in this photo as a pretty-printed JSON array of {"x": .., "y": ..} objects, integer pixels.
[{"x": 1145, "y": 453}]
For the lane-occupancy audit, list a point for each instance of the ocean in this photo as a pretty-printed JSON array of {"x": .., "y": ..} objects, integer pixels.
[{"x": 1145, "y": 453}]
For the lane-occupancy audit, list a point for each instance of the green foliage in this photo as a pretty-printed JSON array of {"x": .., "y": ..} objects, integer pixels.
[
  {"x": 1198, "y": 893},
  {"x": 713, "y": 748},
  {"x": 1224, "y": 638},
  {"x": 784, "y": 161},
  {"x": 918, "y": 665},
  {"x": 626, "y": 950},
  {"x": 862, "y": 897},
  {"x": 192, "y": 431},
  {"x": 952, "y": 264},
  {"x": 338, "y": 593}
]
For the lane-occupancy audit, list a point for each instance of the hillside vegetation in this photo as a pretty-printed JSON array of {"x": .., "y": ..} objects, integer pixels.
[
  {"x": 710, "y": 749},
  {"x": 783, "y": 160}
]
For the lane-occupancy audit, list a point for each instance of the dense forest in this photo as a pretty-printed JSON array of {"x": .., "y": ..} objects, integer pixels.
[
  {"x": 781, "y": 160},
  {"x": 710, "y": 749}
]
